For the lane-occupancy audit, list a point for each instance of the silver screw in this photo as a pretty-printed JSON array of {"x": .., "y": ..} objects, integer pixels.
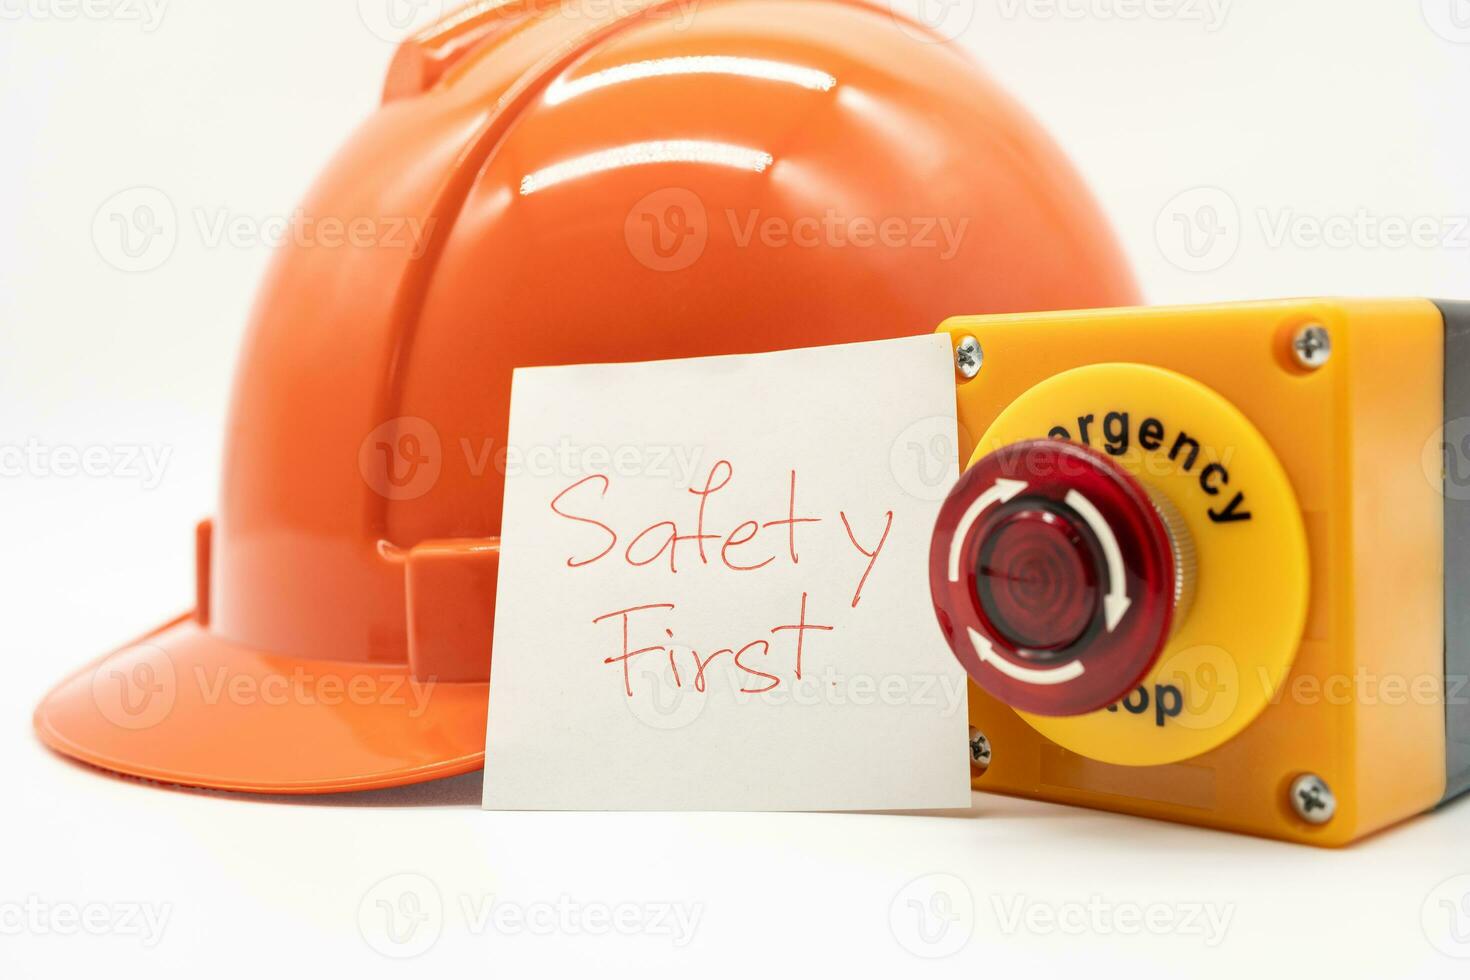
[
  {"x": 968, "y": 357},
  {"x": 979, "y": 750},
  {"x": 1312, "y": 799},
  {"x": 1312, "y": 346}
]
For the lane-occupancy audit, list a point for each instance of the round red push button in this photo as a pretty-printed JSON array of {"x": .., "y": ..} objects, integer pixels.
[
  {"x": 1054, "y": 577},
  {"x": 1037, "y": 580}
]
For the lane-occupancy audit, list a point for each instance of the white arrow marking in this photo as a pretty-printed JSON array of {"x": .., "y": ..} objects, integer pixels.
[
  {"x": 1003, "y": 491},
  {"x": 1027, "y": 675},
  {"x": 1116, "y": 602}
]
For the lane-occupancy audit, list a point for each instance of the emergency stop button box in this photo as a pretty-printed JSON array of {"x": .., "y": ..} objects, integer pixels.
[{"x": 1206, "y": 563}]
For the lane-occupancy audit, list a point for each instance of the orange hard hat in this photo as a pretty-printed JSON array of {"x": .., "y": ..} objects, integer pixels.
[{"x": 544, "y": 185}]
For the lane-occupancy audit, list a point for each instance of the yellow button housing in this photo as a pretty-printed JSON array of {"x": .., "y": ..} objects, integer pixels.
[{"x": 1322, "y": 617}]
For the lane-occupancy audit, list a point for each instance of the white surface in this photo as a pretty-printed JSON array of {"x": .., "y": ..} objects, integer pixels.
[
  {"x": 833, "y": 691},
  {"x": 1316, "y": 106}
]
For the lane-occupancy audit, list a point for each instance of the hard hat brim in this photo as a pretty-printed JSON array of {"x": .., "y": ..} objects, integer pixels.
[{"x": 184, "y": 706}]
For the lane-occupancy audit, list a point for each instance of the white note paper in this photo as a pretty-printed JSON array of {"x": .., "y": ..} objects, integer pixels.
[{"x": 713, "y": 588}]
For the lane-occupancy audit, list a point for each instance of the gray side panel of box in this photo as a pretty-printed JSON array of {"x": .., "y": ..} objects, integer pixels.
[{"x": 1457, "y": 548}]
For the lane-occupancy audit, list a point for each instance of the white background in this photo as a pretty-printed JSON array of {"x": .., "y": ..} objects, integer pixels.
[{"x": 1310, "y": 111}]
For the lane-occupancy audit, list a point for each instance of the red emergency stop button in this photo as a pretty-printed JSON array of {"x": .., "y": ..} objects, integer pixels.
[{"x": 1056, "y": 577}]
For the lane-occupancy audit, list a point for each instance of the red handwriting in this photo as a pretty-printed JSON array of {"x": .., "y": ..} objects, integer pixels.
[
  {"x": 734, "y": 540},
  {"x": 872, "y": 555},
  {"x": 801, "y": 627},
  {"x": 704, "y": 495},
  {"x": 646, "y": 632},
  {"x": 743, "y": 549},
  {"x": 791, "y": 521},
  {"x": 571, "y": 562},
  {"x": 748, "y": 674},
  {"x": 628, "y": 655}
]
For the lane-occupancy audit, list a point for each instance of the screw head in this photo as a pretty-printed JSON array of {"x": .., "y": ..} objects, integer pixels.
[
  {"x": 1312, "y": 346},
  {"x": 968, "y": 357},
  {"x": 1312, "y": 799},
  {"x": 979, "y": 750}
]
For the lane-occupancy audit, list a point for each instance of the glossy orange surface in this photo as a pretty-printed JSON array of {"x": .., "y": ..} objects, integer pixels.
[{"x": 540, "y": 188}]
